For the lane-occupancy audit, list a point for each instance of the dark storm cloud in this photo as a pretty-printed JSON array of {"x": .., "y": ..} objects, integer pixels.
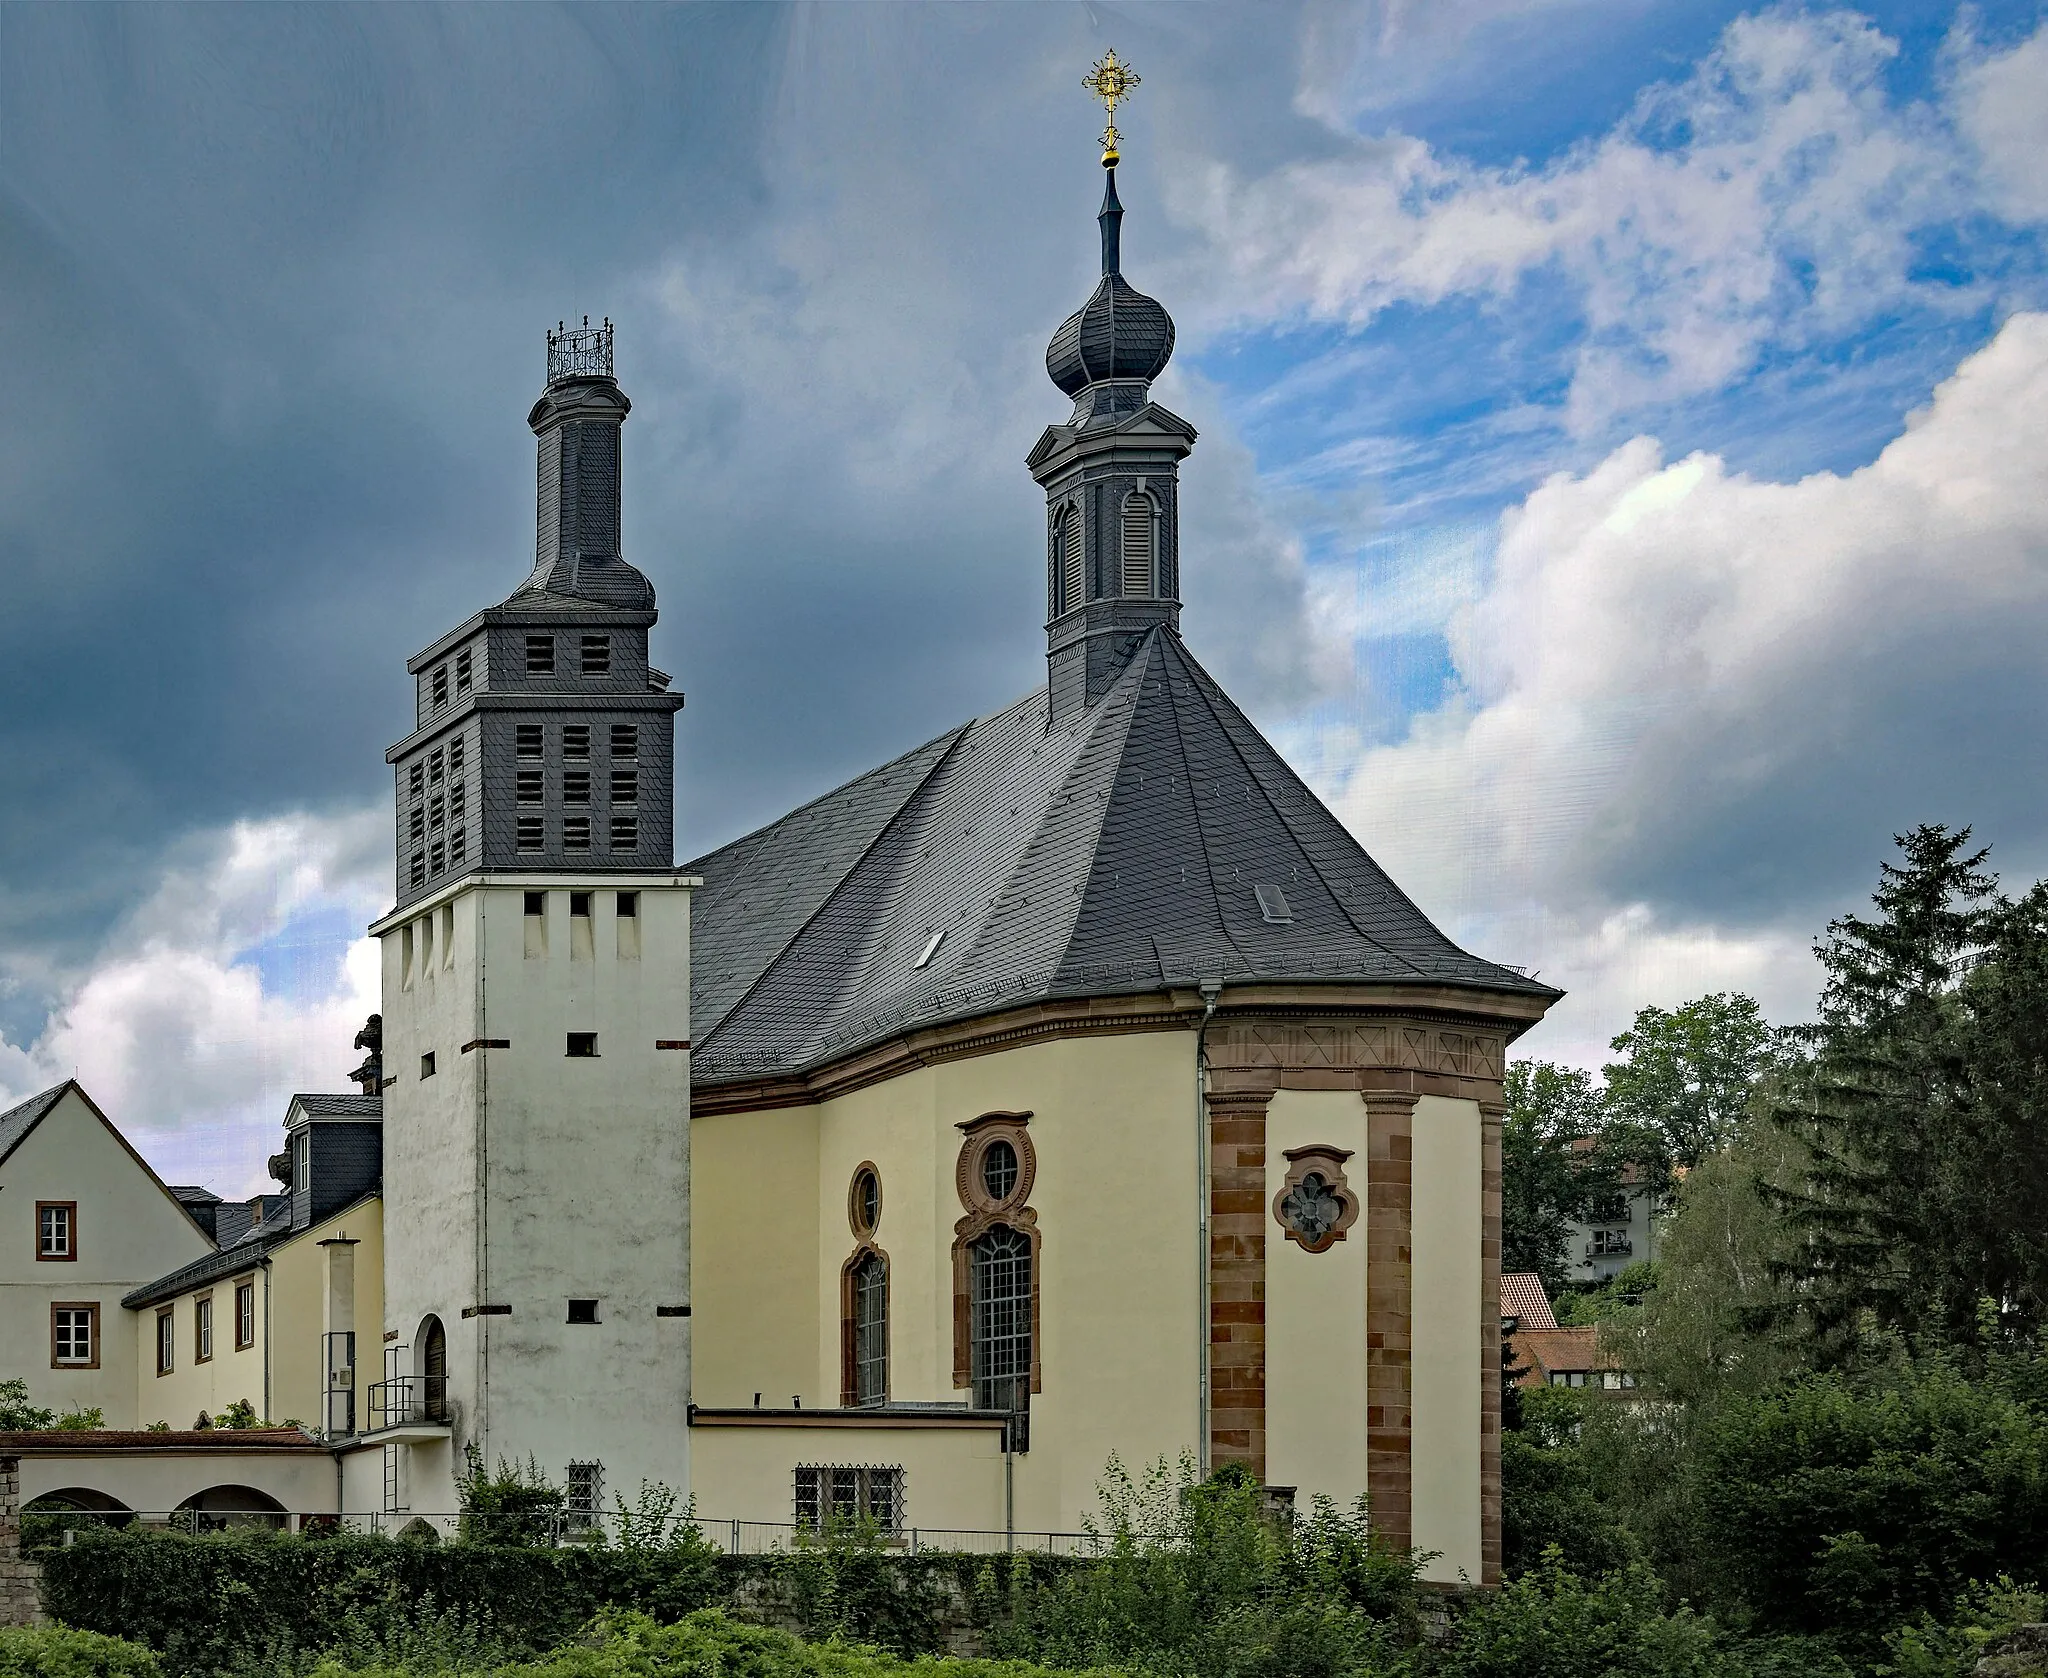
[{"x": 273, "y": 281}]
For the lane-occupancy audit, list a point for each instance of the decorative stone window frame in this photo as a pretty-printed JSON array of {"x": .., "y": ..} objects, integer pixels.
[
  {"x": 70, "y": 1210},
  {"x": 863, "y": 1227},
  {"x": 985, "y": 1212},
  {"x": 1325, "y": 1161},
  {"x": 865, "y": 1247}
]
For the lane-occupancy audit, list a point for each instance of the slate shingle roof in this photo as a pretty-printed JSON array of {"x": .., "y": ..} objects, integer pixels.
[
  {"x": 328, "y": 1106},
  {"x": 1120, "y": 854}
]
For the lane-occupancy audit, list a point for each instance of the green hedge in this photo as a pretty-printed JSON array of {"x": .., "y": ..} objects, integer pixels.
[{"x": 205, "y": 1603}]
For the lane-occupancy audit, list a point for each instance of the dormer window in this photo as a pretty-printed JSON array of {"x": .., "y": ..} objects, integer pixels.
[
  {"x": 540, "y": 655},
  {"x": 597, "y": 655}
]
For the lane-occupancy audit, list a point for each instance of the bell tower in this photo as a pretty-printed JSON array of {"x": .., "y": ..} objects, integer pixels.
[
  {"x": 1111, "y": 473},
  {"x": 536, "y": 1007}
]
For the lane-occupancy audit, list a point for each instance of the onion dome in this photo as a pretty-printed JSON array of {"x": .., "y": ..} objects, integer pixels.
[{"x": 1119, "y": 333}]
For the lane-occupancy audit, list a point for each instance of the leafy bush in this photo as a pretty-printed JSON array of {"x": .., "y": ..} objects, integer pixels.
[
  {"x": 57, "y": 1652},
  {"x": 1198, "y": 1578},
  {"x": 1860, "y": 1504},
  {"x": 1551, "y": 1623},
  {"x": 1550, "y": 1498}
]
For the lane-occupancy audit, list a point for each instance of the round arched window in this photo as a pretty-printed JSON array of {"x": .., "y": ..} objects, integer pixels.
[
  {"x": 999, "y": 1170},
  {"x": 864, "y": 1201}
]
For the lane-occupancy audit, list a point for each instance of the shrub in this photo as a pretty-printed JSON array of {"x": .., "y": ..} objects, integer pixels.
[
  {"x": 709, "y": 1644},
  {"x": 1839, "y": 1505},
  {"x": 1551, "y": 1623},
  {"x": 57, "y": 1652}
]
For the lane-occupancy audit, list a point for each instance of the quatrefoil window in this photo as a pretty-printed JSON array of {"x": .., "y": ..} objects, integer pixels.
[{"x": 1315, "y": 1204}]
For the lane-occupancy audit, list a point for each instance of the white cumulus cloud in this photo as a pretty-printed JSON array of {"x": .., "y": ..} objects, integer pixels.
[
  {"x": 1777, "y": 196},
  {"x": 174, "y": 1027},
  {"x": 1693, "y": 705}
]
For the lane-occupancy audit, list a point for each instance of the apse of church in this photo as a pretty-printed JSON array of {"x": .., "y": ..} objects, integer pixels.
[{"x": 1106, "y": 1095}]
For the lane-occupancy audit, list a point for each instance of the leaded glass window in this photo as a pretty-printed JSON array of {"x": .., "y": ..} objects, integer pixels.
[
  {"x": 1312, "y": 1208},
  {"x": 871, "y": 1330},
  {"x": 999, "y": 1170},
  {"x": 1001, "y": 1301}
]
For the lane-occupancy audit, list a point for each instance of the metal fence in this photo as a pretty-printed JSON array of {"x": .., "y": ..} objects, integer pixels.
[{"x": 551, "y": 1528}]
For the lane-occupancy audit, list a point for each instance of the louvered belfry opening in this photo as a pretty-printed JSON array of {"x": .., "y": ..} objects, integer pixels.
[
  {"x": 1140, "y": 521},
  {"x": 1073, "y": 569}
]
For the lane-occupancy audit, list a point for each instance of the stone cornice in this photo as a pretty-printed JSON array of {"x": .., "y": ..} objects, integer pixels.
[{"x": 1323, "y": 1019}]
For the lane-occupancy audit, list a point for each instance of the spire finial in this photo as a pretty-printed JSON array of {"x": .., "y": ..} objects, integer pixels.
[{"x": 1111, "y": 82}]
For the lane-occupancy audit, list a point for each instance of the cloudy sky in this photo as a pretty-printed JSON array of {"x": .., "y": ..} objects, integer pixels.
[{"x": 1623, "y": 484}]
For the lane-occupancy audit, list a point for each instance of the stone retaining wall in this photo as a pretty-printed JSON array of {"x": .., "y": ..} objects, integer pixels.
[{"x": 21, "y": 1582}]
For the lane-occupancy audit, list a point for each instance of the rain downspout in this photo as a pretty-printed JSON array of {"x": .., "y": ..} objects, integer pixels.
[{"x": 1211, "y": 990}]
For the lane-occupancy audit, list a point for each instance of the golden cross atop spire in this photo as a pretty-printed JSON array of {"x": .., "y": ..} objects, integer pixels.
[{"x": 1110, "y": 81}]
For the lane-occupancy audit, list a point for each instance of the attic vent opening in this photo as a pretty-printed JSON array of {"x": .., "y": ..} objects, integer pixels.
[
  {"x": 931, "y": 948},
  {"x": 1273, "y": 905}
]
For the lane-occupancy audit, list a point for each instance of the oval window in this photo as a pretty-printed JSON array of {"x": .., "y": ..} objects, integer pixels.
[
  {"x": 867, "y": 1201},
  {"x": 999, "y": 1170}
]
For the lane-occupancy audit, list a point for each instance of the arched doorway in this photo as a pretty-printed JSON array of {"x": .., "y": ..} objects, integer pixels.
[
  {"x": 433, "y": 1368},
  {"x": 45, "y": 1519},
  {"x": 218, "y": 1508}
]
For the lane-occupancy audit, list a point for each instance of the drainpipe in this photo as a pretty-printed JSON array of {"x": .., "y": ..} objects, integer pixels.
[
  {"x": 1211, "y": 989},
  {"x": 264, "y": 1264}
]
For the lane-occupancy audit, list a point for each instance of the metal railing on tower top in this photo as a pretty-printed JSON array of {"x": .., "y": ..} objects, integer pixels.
[{"x": 580, "y": 352}]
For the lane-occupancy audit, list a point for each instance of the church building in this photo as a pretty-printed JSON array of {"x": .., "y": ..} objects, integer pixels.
[{"x": 1073, "y": 1086}]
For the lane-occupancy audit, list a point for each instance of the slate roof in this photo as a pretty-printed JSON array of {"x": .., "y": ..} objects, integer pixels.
[
  {"x": 330, "y": 1106},
  {"x": 19, "y": 1120},
  {"x": 242, "y": 1244},
  {"x": 1119, "y": 854}
]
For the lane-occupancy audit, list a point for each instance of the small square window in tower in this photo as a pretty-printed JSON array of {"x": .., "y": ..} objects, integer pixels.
[
  {"x": 625, "y": 833},
  {"x": 579, "y": 904},
  {"x": 576, "y": 742},
  {"x": 582, "y": 1045},
  {"x": 575, "y": 833},
  {"x": 540, "y": 655},
  {"x": 625, "y": 740},
  {"x": 597, "y": 655},
  {"x": 536, "y": 902},
  {"x": 582, "y": 1310},
  {"x": 625, "y": 786},
  {"x": 530, "y": 838},
  {"x": 576, "y": 786},
  {"x": 529, "y": 786},
  {"x": 529, "y": 746}
]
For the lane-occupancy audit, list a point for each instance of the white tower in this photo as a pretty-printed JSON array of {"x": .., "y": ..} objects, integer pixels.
[{"x": 536, "y": 981}]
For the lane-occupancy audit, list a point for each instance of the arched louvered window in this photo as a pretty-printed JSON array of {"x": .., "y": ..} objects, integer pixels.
[
  {"x": 1073, "y": 575},
  {"x": 1141, "y": 542}
]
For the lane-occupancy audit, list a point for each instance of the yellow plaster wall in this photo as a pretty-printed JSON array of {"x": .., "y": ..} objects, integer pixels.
[
  {"x": 192, "y": 1386},
  {"x": 1448, "y": 1320},
  {"x": 754, "y": 1259},
  {"x": 282, "y": 1374},
  {"x": 1315, "y": 1314},
  {"x": 952, "y": 1477},
  {"x": 298, "y": 1292},
  {"x": 1114, "y": 1130}
]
